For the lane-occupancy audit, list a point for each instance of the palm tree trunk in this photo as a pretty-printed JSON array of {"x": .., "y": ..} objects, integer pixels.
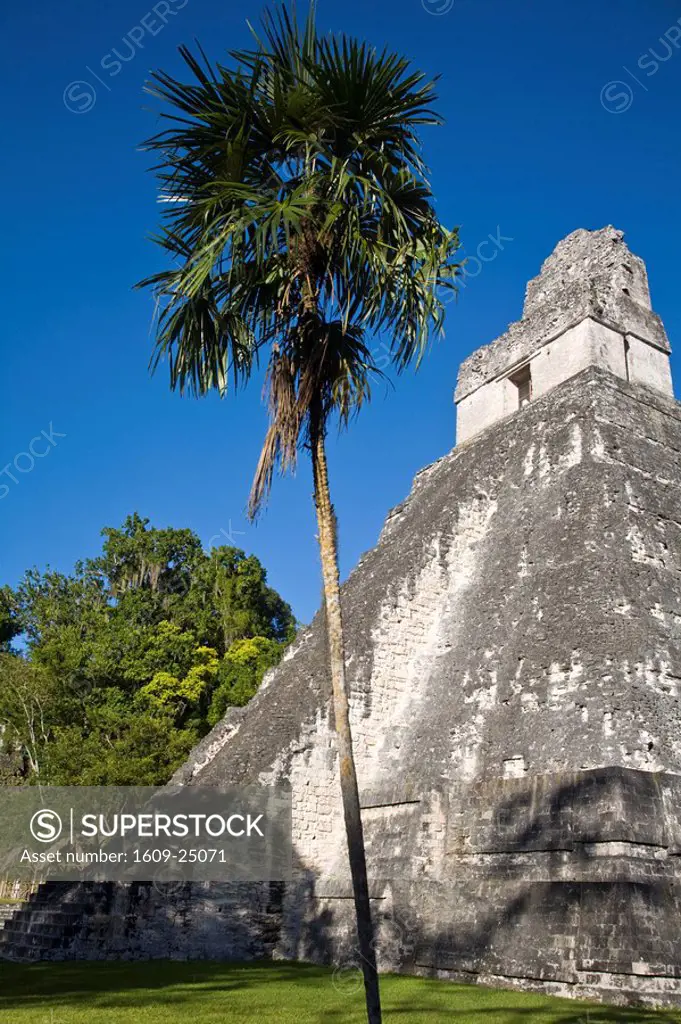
[{"x": 348, "y": 777}]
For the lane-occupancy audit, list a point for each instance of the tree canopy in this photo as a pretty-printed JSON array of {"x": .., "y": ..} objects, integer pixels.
[{"x": 131, "y": 658}]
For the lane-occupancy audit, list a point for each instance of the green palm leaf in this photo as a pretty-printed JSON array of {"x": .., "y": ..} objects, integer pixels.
[{"x": 300, "y": 186}]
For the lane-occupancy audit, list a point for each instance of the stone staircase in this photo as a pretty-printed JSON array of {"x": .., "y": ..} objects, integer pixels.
[
  {"x": 7, "y": 910},
  {"x": 48, "y": 923}
]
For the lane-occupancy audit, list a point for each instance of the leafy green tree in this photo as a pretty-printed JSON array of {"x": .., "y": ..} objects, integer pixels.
[
  {"x": 9, "y": 626},
  {"x": 241, "y": 672},
  {"x": 229, "y": 599},
  {"x": 300, "y": 224},
  {"x": 132, "y": 644},
  {"x": 166, "y": 694},
  {"x": 163, "y": 647},
  {"x": 27, "y": 700},
  {"x": 144, "y": 751}
]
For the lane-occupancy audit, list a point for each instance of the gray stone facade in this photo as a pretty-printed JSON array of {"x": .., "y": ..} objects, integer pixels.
[
  {"x": 589, "y": 306},
  {"x": 514, "y": 657}
]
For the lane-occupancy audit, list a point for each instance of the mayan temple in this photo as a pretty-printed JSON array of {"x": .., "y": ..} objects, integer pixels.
[{"x": 514, "y": 654}]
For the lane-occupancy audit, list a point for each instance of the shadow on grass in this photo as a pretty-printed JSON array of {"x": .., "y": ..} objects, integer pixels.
[
  {"x": 134, "y": 987},
  {"x": 78, "y": 980},
  {"x": 142, "y": 982}
]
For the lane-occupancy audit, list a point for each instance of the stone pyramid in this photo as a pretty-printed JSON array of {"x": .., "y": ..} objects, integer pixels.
[{"x": 514, "y": 656}]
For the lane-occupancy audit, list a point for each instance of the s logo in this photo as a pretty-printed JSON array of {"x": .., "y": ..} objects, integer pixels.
[{"x": 46, "y": 826}]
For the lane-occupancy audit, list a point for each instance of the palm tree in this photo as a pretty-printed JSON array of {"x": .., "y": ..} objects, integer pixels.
[{"x": 302, "y": 226}]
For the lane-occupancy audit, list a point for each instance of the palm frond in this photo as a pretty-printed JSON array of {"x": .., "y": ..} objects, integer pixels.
[{"x": 307, "y": 226}]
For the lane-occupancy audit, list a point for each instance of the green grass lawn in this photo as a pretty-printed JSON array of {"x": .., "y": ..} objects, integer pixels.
[{"x": 159, "y": 992}]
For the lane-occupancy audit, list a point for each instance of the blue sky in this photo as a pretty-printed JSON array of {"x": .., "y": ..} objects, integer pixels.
[{"x": 536, "y": 144}]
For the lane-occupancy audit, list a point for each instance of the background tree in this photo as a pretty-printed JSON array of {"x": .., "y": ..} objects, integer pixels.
[
  {"x": 131, "y": 658},
  {"x": 9, "y": 627},
  {"x": 241, "y": 672},
  {"x": 301, "y": 225}
]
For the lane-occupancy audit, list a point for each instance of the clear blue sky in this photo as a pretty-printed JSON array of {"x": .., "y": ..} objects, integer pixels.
[{"x": 528, "y": 148}]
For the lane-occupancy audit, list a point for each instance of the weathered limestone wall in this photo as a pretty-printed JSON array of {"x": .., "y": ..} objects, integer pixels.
[
  {"x": 528, "y": 587},
  {"x": 589, "y": 274},
  {"x": 589, "y": 343},
  {"x": 589, "y": 306},
  {"x": 648, "y": 365},
  {"x": 554, "y": 881},
  {"x": 181, "y": 921}
]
